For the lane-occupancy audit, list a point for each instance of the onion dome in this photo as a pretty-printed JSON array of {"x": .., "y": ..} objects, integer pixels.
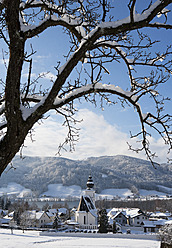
[{"x": 90, "y": 183}]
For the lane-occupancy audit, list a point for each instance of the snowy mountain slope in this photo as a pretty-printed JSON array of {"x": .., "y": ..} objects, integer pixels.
[
  {"x": 15, "y": 190},
  {"x": 74, "y": 191},
  {"x": 119, "y": 171}
]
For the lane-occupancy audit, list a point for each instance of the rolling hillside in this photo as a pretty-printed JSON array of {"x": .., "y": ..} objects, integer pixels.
[{"x": 37, "y": 173}]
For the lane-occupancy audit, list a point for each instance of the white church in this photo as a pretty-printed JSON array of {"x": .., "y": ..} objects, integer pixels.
[{"x": 86, "y": 214}]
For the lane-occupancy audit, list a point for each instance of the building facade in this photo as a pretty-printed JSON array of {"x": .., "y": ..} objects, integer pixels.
[{"x": 86, "y": 214}]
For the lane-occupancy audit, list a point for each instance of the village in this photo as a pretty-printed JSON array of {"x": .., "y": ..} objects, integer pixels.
[{"x": 85, "y": 218}]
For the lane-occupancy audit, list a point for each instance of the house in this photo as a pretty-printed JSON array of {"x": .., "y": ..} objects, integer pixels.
[
  {"x": 127, "y": 216},
  {"x": 52, "y": 213},
  {"x": 32, "y": 218},
  {"x": 63, "y": 213},
  {"x": 118, "y": 215},
  {"x": 43, "y": 219},
  {"x": 153, "y": 225},
  {"x": 7, "y": 220},
  {"x": 86, "y": 214},
  {"x": 136, "y": 217},
  {"x": 160, "y": 215},
  {"x": 120, "y": 218}
]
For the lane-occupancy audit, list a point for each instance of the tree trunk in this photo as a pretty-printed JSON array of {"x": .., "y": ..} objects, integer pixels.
[
  {"x": 164, "y": 245},
  {"x": 16, "y": 131}
]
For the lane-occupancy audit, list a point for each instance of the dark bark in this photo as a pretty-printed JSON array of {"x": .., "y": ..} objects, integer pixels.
[
  {"x": 16, "y": 130},
  {"x": 164, "y": 245}
]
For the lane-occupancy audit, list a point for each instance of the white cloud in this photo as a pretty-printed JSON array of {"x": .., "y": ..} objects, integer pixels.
[
  {"x": 46, "y": 136},
  {"x": 97, "y": 138},
  {"x": 25, "y": 75},
  {"x": 160, "y": 149},
  {"x": 49, "y": 75},
  {"x": 45, "y": 75}
]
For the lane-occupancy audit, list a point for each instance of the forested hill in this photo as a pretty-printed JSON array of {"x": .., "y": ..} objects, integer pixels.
[{"x": 119, "y": 171}]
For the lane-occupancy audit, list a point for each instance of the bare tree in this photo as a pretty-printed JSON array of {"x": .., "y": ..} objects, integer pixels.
[
  {"x": 96, "y": 40},
  {"x": 165, "y": 234},
  {"x": 26, "y": 219}
]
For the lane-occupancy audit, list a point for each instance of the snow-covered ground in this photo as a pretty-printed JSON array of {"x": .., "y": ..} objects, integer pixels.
[
  {"x": 61, "y": 191},
  {"x": 145, "y": 192},
  {"x": 110, "y": 193},
  {"x": 15, "y": 189},
  {"x": 32, "y": 239},
  {"x": 58, "y": 190}
]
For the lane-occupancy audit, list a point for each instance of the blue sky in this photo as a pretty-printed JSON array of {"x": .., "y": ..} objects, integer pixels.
[{"x": 102, "y": 132}]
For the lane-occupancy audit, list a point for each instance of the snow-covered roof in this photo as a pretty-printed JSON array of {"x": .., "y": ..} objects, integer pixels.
[
  {"x": 118, "y": 213},
  {"x": 86, "y": 204},
  {"x": 134, "y": 212},
  {"x": 154, "y": 223},
  {"x": 168, "y": 222},
  {"x": 160, "y": 214},
  {"x": 50, "y": 214},
  {"x": 73, "y": 210},
  {"x": 149, "y": 224},
  {"x": 127, "y": 212},
  {"x": 53, "y": 212},
  {"x": 39, "y": 214},
  {"x": 71, "y": 222},
  {"x": 62, "y": 210},
  {"x": 11, "y": 214}
]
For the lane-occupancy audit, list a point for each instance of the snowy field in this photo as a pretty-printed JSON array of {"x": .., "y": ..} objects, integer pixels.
[
  {"x": 61, "y": 191},
  {"x": 32, "y": 239}
]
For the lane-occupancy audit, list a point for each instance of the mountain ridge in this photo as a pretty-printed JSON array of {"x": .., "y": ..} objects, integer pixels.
[{"x": 118, "y": 171}]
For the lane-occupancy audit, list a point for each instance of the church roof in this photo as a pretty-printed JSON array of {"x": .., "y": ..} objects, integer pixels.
[
  {"x": 82, "y": 205},
  {"x": 87, "y": 205}
]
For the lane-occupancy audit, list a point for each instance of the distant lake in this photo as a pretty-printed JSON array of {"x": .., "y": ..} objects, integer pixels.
[{"x": 41, "y": 203}]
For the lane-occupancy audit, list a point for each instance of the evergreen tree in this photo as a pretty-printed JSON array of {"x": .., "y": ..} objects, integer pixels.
[
  {"x": 16, "y": 217},
  {"x": 2, "y": 203},
  {"x": 56, "y": 222},
  {"x": 7, "y": 205},
  {"x": 103, "y": 221}
]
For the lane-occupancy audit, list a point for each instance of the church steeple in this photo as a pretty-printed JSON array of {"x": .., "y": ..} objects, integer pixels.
[
  {"x": 90, "y": 183},
  {"x": 90, "y": 190},
  {"x": 86, "y": 214}
]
